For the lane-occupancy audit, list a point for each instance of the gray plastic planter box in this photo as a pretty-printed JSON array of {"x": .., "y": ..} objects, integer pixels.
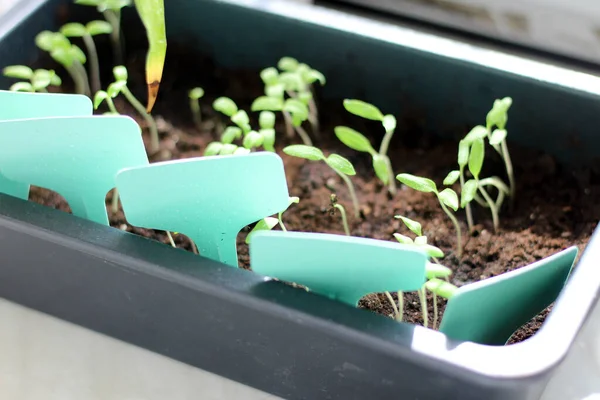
[{"x": 269, "y": 336}]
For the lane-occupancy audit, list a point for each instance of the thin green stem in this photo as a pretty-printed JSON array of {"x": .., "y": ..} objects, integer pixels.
[
  {"x": 393, "y": 303},
  {"x": 281, "y": 224},
  {"x": 344, "y": 219},
  {"x": 115, "y": 201},
  {"x": 84, "y": 77},
  {"x": 457, "y": 227},
  {"x": 509, "y": 170},
  {"x": 385, "y": 143},
  {"x": 196, "y": 112},
  {"x": 468, "y": 210},
  {"x": 77, "y": 79},
  {"x": 94, "y": 65},
  {"x": 392, "y": 179},
  {"x": 400, "y": 306},
  {"x": 303, "y": 135},
  {"x": 423, "y": 298},
  {"x": 155, "y": 144},
  {"x": 492, "y": 205},
  {"x": 435, "y": 311},
  {"x": 171, "y": 239},
  {"x": 352, "y": 192},
  {"x": 111, "y": 105},
  {"x": 113, "y": 17},
  {"x": 289, "y": 128},
  {"x": 313, "y": 117}
]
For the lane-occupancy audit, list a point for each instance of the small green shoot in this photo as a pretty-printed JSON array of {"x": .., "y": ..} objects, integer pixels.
[
  {"x": 268, "y": 223},
  {"x": 195, "y": 95},
  {"x": 71, "y": 57},
  {"x": 103, "y": 96},
  {"x": 498, "y": 117},
  {"x": 111, "y": 10},
  {"x": 87, "y": 33},
  {"x": 120, "y": 86},
  {"x": 334, "y": 205},
  {"x": 339, "y": 164},
  {"x": 357, "y": 141},
  {"x": 38, "y": 80},
  {"x": 447, "y": 199}
]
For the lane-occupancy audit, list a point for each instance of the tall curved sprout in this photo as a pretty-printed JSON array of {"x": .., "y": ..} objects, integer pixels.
[{"x": 152, "y": 14}]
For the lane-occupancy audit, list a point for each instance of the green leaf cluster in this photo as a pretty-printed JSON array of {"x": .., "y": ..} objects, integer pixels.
[{"x": 32, "y": 80}]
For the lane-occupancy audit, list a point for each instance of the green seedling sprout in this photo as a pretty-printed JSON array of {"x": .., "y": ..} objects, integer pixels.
[
  {"x": 294, "y": 111},
  {"x": 357, "y": 141},
  {"x": 498, "y": 117},
  {"x": 38, "y": 80},
  {"x": 268, "y": 223},
  {"x": 71, "y": 57},
  {"x": 87, "y": 33},
  {"x": 471, "y": 154},
  {"x": 333, "y": 203},
  {"x": 252, "y": 139},
  {"x": 120, "y": 86},
  {"x": 299, "y": 80},
  {"x": 339, "y": 164},
  {"x": 111, "y": 10},
  {"x": 195, "y": 95},
  {"x": 434, "y": 271},
  {"x": 447, "y": 199}
]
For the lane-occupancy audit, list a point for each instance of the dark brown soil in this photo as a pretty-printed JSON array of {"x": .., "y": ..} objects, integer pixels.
[{"x": 555, "y": 208}]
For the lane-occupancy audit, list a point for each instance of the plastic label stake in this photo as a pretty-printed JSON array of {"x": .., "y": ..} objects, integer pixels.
[
  {"x": 21, "y": 105},
  {"x": 77, "y": 157},
  {"x": 340, "y": 267},
  {"x": 209, "y": 199},
  {"x": 490, "y": 311}
]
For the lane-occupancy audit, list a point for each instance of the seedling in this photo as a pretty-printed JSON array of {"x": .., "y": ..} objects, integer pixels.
[
  {"x": 120, "y": 86},
  {"x": 87, "y": 33},
  {"x": 471, "y": 153},
  {"x": 357, "y": 141},
  {"x": 294, "y": 111},
  {"x": 498, "y": 117},
  {"x": 339, "y": 164},
  {"x": 333, "y": 203},
  {"x": 264, "y": 137},
  {"x": 447, "y": 198},
  {"x": 70, "y": 56},
  {"x": 111, "y": 10},
  {"x": 38, "y": 80},
  {"x": 195, "y": 95},
  {"x": 268, "y": 223},
  {"x": 434, "y": 271}
]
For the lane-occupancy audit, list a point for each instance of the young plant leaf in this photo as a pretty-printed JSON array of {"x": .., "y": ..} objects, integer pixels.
[
  {"x": 21, "y": 87},
  {"x": 468, "y": 192},
  {"x": 276, "y": 90},
  {"x": 230, "y": 134},
  {"x": 421, "y": 240},
  {"x": 312, "y": 75},
  {"x": 292, "y": 81},
  {"x": 120, "y": 73},
  {"x": 242, "y": 120},
  {"x": 265, "y": 224},
  {"x": 463, "y": 153},
  {"x": 265, "y": 103},
  {"x": 73, "y": 29},
  {"x": 99, "y": 97},
  {"x": 363, "y": 109},
  {"x": 225, "y": 105},
  {"x": 389, "y": 123},
  {"x": 432, "y": 251},
  {"x": 54, "y": 79},
  {"x": 196, "y": 93},
  {"x": 414, "y": 226},
  {"x": 303, "y": 151},
  {"x": 498, "y": 136},
  {"x": 403, "y": 239},
  {"x": 266, "y": 120},
  {"x": 268, "y": 139},
  {"x": 287, "y": 64},
  {"x": 381, "y": 168},
  {"x": 441, "y": 288},
  {"x": 269, "y": 76},
  {"x": 115, "y": 88},
  {"x": 253, "y": 139},
  {"x": 296, "y": 108},
  {"x": 477, "y": 133},
  {"x": 213, "y": 149},
  {"x": 305, "y": 97},
  {"x": 18, "y": 72},
  {"x": 476, "y": 157},
  {"x": 451, "y": 178},
  {"x": 434, "y": 270},
  {"x": 417, "y": 183},
  {"x": 98, "y": 28},
  {"x": 241, "y": 151},
  {"x": 340, "y": 164},
  {"x": 228, "y": 149},
  {"x": 353, "y": 139},
  {"x": 41, "y": 79},
  {"x": 449, "y": 198}
]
